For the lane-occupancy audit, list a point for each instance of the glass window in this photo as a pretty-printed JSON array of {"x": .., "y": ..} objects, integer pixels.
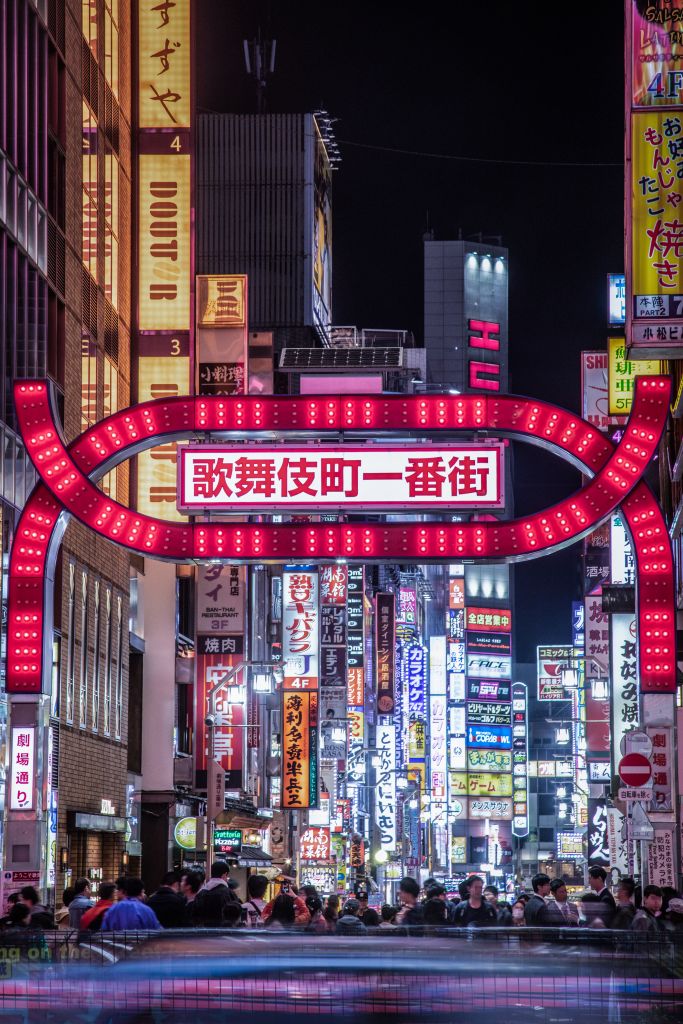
[
  {"x": 111, "y": 228},
  {"x": 83, "y": 687},
  {"x": 56, "y": 675},
  {"x": 89, "y": 242},
  {"x": 111, "y": 44},
  {"x": 119, "y": 668},
  {"x": 89, "y": 24},
  {"x": 96, "y": 670},
  {"x": 111, "y": 405},
  {"x": 71, "y": 646},
  {"x": 107, "y": 662},
  {"x": 88, "y": 382}
]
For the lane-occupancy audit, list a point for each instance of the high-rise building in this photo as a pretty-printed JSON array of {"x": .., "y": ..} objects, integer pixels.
[{"x": 65, "y": 312}]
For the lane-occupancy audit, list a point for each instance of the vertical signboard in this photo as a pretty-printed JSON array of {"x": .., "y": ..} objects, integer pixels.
[
  {"x": 164, "y": 99},
  {"x": 299, "y": 749},
  {"x": 300, "y": 638},
  {"x": 333, "y": 691},
  {"x": 622, "y": 375},
  {"x": 438, "y": 749},
  {"x": 221, "y": 334},
  {"x": 597, "y": 637},
  {"x": 595, "y": 391},
  {"x": 385, "y": 798},
  {"x": 321, "y": 263},
  {"x": 300, "y": 629},
  {"x": 624, "y": 668},
  {"x": 385, "y": 652},
  {"x": 164, "y": 258},
  {"x": 22, "y": 796},
  {"x": 520, "y": 779},
  {"x": 356, "y": 763},
  {"x": 654, "y": 83},
  {"x": 220, "y": 677},
  {"x": 598, "y": 834}
]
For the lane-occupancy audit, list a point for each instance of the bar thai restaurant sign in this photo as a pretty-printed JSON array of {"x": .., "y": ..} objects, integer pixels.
[{"x": 240, "y": 476}]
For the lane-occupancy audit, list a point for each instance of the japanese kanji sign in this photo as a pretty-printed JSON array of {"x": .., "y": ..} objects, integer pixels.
[
  {"x": 385, "y": 652},
  {"x": 489, "y": 620},
  {"x": 385, "y": 794},
  {"x": 221, "y": 339},
  {"x": 598, "y": 838},
  {"x": 551, "y": 663},
  {"x": 300, "y": 629},
  {"x": 489, "y": 760},
  {"x": 624, "y": 686},
  {"x": 662, "y": 767},
  {"x": 315, "y": 844},
  {"x": 220, "y": 598},
  {"x": 333, "y": 584},
  {"x": 489, "y": 713},
  {"x": 656, "y": 45},
  {"x": 243, "y": 477},
  {"x": 622, "y": 375},
  {"x": 21, "y": 769},
  {"x": 656, "y": 222},
  {"x": 164, "y": 64},
  {"x": 596, "y": 637},
  {"x": 661, "y": 862},
  {"x": 520, "y": 776},
  {"x": 299, "y": 749}
]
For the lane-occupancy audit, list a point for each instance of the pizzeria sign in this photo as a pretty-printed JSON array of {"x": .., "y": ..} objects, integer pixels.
[{"x": 238, "y": 476}]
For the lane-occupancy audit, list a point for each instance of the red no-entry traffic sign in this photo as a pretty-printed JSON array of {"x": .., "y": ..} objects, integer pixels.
[{"x": 635, "y": 770}]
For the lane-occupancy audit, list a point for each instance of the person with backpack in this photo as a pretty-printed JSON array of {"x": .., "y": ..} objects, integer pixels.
[
  {"x": 92, "y": 918},
  {"x": 209, "y": 909},
  {"x": 255, "y": 904}
]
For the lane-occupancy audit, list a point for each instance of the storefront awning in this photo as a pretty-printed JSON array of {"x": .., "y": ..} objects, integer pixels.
[{"x": 252, "y": 857}]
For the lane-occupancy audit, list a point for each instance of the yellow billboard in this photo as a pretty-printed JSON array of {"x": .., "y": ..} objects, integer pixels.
[
  {"x": 656, "y": 232},
  {"x": 485, "y": 784},
  {"x": 622, "y": 376},
  {"x": 221, "y": 300},
  {"x": 164, "y": 242},
  {"x": 161, "y": 376},
  {"x": 164, "y": 98}
]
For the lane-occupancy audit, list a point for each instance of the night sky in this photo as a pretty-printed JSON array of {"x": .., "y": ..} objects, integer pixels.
[{"x": 513, "y": 83}]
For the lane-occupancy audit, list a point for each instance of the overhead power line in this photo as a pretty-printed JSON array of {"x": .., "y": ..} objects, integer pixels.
[{"x": 479, "y": 159}]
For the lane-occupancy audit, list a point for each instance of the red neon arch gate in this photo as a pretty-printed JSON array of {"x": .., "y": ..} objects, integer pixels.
[{"x": 65, "y": 488}]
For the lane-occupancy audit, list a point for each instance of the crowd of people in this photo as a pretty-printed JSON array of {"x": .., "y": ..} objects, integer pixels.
[{"x": 187, "y": 899}]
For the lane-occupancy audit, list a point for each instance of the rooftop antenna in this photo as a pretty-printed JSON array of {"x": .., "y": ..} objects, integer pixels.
[{"x": 259, "y": 60}]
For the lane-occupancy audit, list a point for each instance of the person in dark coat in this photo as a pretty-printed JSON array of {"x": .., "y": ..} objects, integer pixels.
[
  {"x": 558, "y": 911},
  {"x": 209, "y": 909},
  {"x": 167, "y": 903},
  {"x": 626, "y": 909},
  {"x": 40, "y": 916},
  {"x": 596, "y": 880},
  {"x": 502, "y": 908},
  {"x": 540, "y": 883},
  {"x": 475, "y": 911}
]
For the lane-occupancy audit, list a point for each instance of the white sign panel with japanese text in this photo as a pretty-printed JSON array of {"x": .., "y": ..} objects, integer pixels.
[
  {"x": 22, "y": 796},
  {"x": 375, "y": 476}
]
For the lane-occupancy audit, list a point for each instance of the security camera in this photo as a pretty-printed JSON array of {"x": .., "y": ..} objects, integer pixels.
[{"x": 210, "y": 720}]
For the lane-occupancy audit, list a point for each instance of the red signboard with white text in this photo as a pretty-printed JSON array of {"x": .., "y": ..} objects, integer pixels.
[{"x": 239, "y": 476}]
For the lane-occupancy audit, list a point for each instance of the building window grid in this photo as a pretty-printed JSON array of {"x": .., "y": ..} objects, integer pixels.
[
  {"x": 71, "y": 646},
  {"x": 111, "y": 45},
  {"x": 89, "y": 24},
  {"x": 118, "y": 712},
  {"x": 95, "y": 710},
  {"x": 107, "y": 664},
  {"x": 83, "y": 680},
  {"x": 111, "y": 227},
  {"x": 110, "y": 406},
  {"x": 90, "y": 192}
]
